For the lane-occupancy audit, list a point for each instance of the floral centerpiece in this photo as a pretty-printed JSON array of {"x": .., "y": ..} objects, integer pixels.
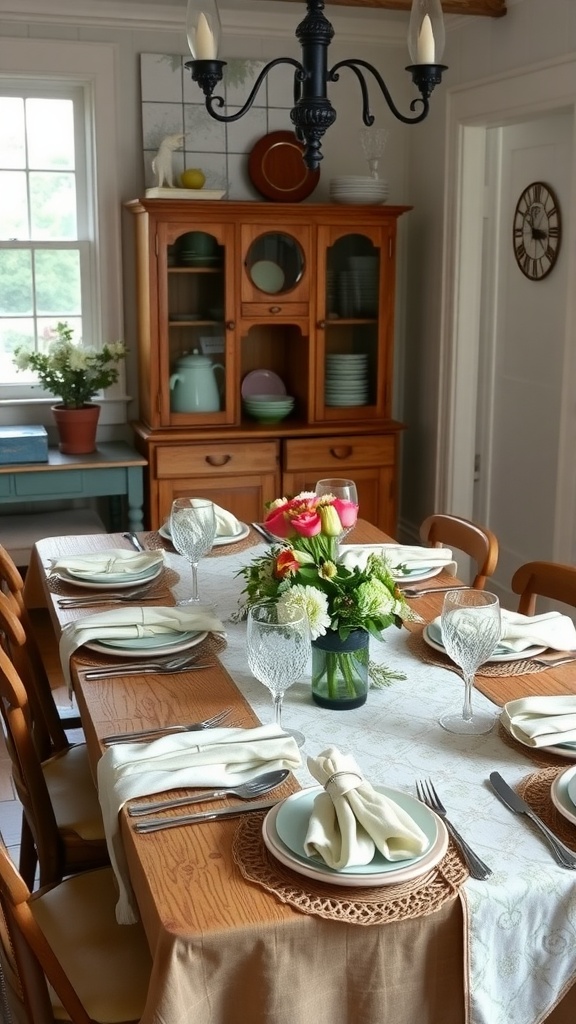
[
  {"x": 73, "y": 372},
  {"x": 344, "y": 605}
]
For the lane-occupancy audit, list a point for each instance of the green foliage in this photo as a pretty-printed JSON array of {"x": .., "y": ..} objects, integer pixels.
[{"x": 75, "y": 373}]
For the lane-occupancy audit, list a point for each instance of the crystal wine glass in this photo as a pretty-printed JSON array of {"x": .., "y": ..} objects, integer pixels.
[
  {"x": 471, "y": 629},
  {"x": 373, "y": 141},
  {"x": 340, "y": 488},
  {"x": 192, "y": 528},
  {"x": 278, "y": 645}
]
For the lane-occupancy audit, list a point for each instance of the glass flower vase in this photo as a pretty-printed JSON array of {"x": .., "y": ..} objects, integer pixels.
[{"x": 340, "y": 670}]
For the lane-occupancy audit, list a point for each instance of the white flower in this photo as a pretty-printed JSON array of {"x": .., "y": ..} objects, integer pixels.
[{"x": 313, "y": 602}]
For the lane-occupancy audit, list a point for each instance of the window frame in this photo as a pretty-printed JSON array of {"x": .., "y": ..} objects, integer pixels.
[{"x": 90, "y": 70}]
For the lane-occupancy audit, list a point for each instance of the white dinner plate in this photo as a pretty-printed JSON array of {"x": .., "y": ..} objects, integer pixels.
[
  {"x": 560, "y": 793},
  {"x": 435, "y": 642},
  {"x": 294, "y": 817},
  {"x": 219, "y": 542},
  {"x": 422, "y": 573},
  {"x": 112, "y": 583},
  {"x": 167, "y": 644}
]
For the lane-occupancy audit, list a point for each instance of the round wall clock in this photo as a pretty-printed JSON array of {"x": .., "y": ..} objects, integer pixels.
[{"x": 537, "y": 231}]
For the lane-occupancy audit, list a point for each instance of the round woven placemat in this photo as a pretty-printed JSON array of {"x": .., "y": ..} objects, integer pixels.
[
  {"x": 159, "y": 587},
  {"x": 546, "y": 758},
  {"x": 425, "y": 653},
  {"x": 372, "y": 905},
  {"x": 535, "y": 789},
  {"x": 211, "y": 646},
  {"x": 154, "y": 541}
]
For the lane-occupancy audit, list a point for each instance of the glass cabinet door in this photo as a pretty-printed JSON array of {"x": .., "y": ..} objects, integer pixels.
[
  {"x": 195, "y": 356},
  {"x": 353, "y": 359}
]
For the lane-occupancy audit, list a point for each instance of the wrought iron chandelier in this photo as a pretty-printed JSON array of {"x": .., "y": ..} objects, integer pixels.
[{"x": 312, "y": 113}]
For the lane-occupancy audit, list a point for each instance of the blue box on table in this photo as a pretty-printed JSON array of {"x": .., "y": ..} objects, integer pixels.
[{"x": 23, "y": 444}]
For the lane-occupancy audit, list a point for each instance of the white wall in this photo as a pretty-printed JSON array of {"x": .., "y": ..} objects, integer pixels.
[{"x": 478, "y": 51}]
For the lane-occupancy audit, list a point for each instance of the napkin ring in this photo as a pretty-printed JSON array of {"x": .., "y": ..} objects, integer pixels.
[{"x": 337, "y": 775}]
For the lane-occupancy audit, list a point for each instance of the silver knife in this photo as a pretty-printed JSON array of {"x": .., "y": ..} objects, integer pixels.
[
  {"x": 565, "y": 857},
  {"x": 113, "y": 673},
  {"x": 156, "y": 824},
  {"x": 265, "y": 533},
  {"x": 134, "y": 541}
]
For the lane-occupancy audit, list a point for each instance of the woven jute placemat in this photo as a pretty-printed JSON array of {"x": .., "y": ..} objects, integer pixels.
[
  {"x": 535, "y": 789},
  {"x": 424, "y": 652},
  {"x": 212, "y": 646},
  {"x": 546, "y": 758},
  {"x": 365, "y": 906}
]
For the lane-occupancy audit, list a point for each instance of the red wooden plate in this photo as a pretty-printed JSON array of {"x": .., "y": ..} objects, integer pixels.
[{"x": 278, "y": 171}]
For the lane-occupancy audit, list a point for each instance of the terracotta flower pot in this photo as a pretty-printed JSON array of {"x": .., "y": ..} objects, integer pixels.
[{"x": 77, "y": 428}]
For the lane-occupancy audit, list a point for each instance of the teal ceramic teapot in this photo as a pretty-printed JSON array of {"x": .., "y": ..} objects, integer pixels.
[{"x": 193, "y": 387}]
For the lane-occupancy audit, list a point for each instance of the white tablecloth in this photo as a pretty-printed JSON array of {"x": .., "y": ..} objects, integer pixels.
[{"x": 523, "y": 919}]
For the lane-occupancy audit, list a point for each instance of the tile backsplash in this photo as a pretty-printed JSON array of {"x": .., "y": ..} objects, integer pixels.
[{"x": 173, "y": 104}]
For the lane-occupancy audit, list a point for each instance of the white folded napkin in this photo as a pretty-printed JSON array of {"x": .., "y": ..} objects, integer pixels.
[
  {"x": 398, "y": 556},
  {"x": 351, "y": 820},
  {"x": 519, "y": 632},
  {"x": 214, "y": 758},
  {"x": 226, "y": 524},
  {"x": 541, "y": 721},
  {"x": 551, "y": 629},
  {"x": 113, "y": 562},
  {"x": 131, "y": 622}
]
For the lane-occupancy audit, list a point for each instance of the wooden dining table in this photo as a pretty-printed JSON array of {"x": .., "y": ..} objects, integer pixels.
[{"x": 234, "y": 939}]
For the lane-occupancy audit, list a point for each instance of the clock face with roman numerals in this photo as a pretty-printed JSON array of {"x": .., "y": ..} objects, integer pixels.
[{"x": 537, "y": 231}]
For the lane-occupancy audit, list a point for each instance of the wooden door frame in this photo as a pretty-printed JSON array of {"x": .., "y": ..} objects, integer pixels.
[{"x": 471, "y": 109}]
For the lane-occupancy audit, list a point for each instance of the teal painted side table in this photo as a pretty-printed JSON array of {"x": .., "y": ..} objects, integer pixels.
[{"x": 113, "y": 470}]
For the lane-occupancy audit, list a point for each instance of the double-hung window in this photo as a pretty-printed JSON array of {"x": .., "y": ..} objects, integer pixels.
[{"x": 45, "y": 215}]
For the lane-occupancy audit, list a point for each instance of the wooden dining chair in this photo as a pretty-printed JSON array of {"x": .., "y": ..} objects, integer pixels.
[
  {"x": 544, "y": 579},
  {"x": 62, "y": 828},
  {"x": 476, "y": 541},
  {"x": 57, "y": 721},
  {"x": 64, "y": 957}
]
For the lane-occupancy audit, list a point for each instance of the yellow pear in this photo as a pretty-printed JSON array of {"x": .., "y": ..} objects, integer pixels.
[{"x": 192, "y": 177}]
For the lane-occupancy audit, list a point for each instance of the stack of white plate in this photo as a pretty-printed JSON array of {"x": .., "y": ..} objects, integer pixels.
[
  {"x": 366, "y": 269},
  {"x": 358, "y": 188},
  {"x": 346, "y": 380}
]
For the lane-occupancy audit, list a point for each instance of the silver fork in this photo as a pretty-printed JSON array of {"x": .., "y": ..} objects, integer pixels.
[
  {"x": 422, "y": 591},
  {"x": 166, "y": 730},
  {"x": 428, "y": 795}
]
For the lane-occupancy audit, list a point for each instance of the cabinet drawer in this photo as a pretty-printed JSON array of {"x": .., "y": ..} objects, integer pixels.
[
  {"x": 202, "y": 459},
  {"x": 268, "y": 309},
  {"x": 339, "y": 454}
]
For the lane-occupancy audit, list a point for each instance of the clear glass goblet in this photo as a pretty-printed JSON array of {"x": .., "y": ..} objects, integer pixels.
[
  {"x": 471, "y": 629},
  {"x": 193, "y": 529},
  {"x": 340, "y": 488},
  {"x": 278, "y": 646}
]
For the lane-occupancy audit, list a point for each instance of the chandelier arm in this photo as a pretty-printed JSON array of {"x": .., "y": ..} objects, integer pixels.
[
  {"x": 368, "y": 118},
  {"x": 217, "y": 101}
]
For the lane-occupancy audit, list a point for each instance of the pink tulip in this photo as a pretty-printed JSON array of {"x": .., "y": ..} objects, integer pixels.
[{"x": 347, "y": 512}]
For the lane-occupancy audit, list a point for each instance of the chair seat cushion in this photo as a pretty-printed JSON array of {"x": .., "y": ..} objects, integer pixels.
[
  {"x": 73, "y": 792},
  {"x": 108, "y": 964}
]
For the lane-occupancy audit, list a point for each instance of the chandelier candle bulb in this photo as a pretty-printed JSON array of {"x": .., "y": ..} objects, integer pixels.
[
  {"x": 426, "y": 47},
  {"x": 205, "y": 42}
]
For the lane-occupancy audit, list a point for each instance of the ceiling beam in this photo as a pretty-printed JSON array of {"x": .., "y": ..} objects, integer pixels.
[{"x": 481, "y": 8}]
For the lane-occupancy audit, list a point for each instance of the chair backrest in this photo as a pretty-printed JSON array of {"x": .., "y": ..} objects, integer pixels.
[
  {"x": 49, "y": 735},
  {"x": 27, "y": 773},
  {"x": 50, "y": 729},
  {"x": 476, "y": 541},
  {"x": 544, "y": 579}
]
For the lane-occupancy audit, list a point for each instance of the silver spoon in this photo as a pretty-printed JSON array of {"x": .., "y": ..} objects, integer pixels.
[{"x": 257, "y": 787}]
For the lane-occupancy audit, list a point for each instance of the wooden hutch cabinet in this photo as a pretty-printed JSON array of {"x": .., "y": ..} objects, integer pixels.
[{"x": 240, "y": 298}]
